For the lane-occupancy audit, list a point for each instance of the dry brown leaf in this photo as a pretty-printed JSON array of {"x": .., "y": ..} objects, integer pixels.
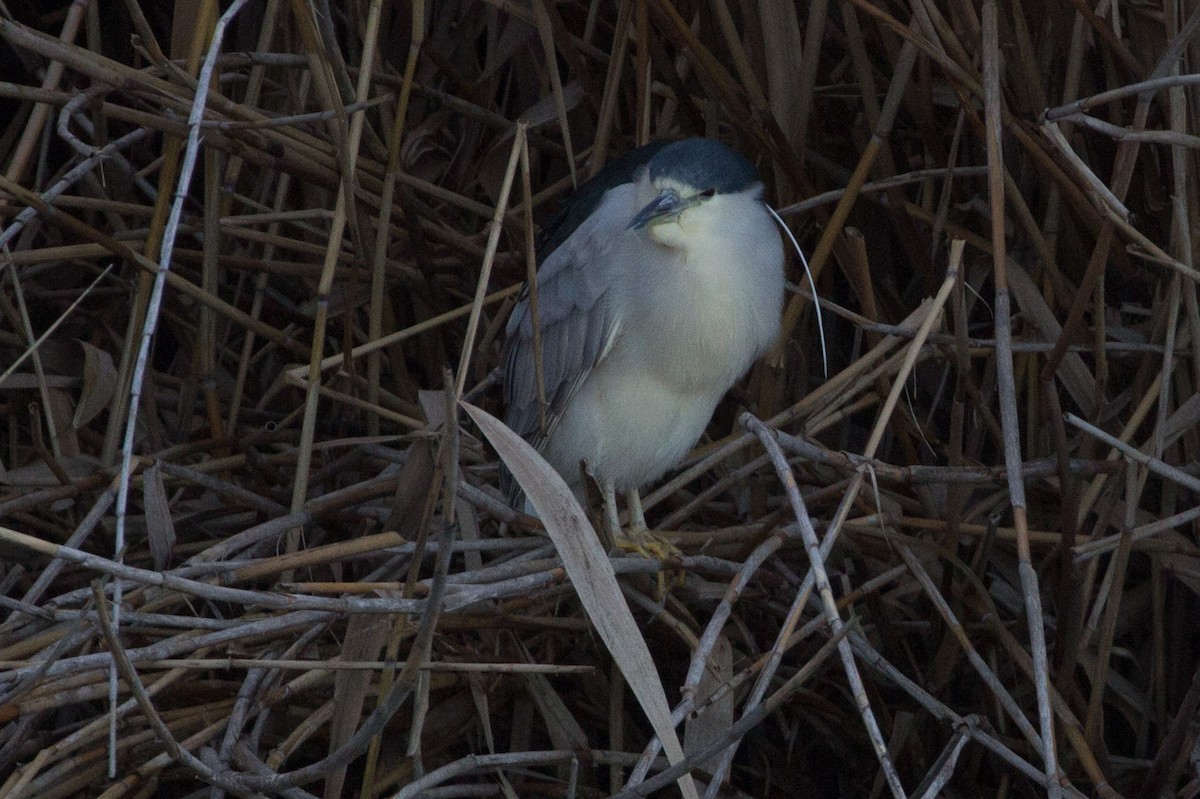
[
  {"x": 99, "y": 384},
  {"x": 28, "y": 380},
  {"x": 365, "y": 639},
  {"x": 38, "y": 474},
  {"x": 1076, "y": 378},
  {"x": 160, "y": 527},
  {"x": 591, "y": 574},
  {"x": 564, "y": 730},
  {"x": 713, "y": 724}
]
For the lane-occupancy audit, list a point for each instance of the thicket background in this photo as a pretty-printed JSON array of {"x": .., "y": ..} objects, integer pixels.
[{"x": 1001, "y": 463}]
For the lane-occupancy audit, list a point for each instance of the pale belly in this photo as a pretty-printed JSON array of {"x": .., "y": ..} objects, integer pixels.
[
  {"x": 691, "y": 328},
  {"x": 629, "y": 434}
]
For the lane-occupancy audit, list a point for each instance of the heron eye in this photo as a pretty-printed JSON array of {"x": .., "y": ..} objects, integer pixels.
[{"x": 707, "y": 193}]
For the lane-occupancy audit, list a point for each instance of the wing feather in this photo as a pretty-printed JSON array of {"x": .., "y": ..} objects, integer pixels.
[{"x": 577, "y": 316}]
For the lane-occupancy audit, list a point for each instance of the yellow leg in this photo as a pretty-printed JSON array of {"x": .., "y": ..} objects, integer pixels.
[
  {"x": 637, "y": 538},
  {"x": 610, "y": 512},
  {"x": 637, "y": 519}
]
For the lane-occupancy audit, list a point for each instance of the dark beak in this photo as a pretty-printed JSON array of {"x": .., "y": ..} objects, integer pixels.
[{"x": 663, "y": 207}]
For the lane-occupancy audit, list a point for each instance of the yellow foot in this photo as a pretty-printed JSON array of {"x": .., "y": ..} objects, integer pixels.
[{"x": 649, "y": 545}]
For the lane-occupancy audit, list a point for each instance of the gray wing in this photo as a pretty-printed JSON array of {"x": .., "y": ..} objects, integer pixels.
[{"x": 577, "y": 315}]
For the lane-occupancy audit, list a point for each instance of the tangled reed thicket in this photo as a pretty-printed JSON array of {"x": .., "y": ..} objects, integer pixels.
[{"x": 963, "y": 564}]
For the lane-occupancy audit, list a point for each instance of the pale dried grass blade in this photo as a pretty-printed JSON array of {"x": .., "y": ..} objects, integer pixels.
[{"x": 592, "y": 576}]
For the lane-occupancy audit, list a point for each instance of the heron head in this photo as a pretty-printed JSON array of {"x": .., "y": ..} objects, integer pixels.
[{"x": 685, "y": 186}]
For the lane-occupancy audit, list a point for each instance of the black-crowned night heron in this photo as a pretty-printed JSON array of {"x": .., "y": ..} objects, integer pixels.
[{"x": 660, "y": 282}]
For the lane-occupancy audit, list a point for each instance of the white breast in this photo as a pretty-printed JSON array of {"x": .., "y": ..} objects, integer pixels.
[
  {"x": 712, "y": 305},
  {"x": 700, "y": 309}
]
